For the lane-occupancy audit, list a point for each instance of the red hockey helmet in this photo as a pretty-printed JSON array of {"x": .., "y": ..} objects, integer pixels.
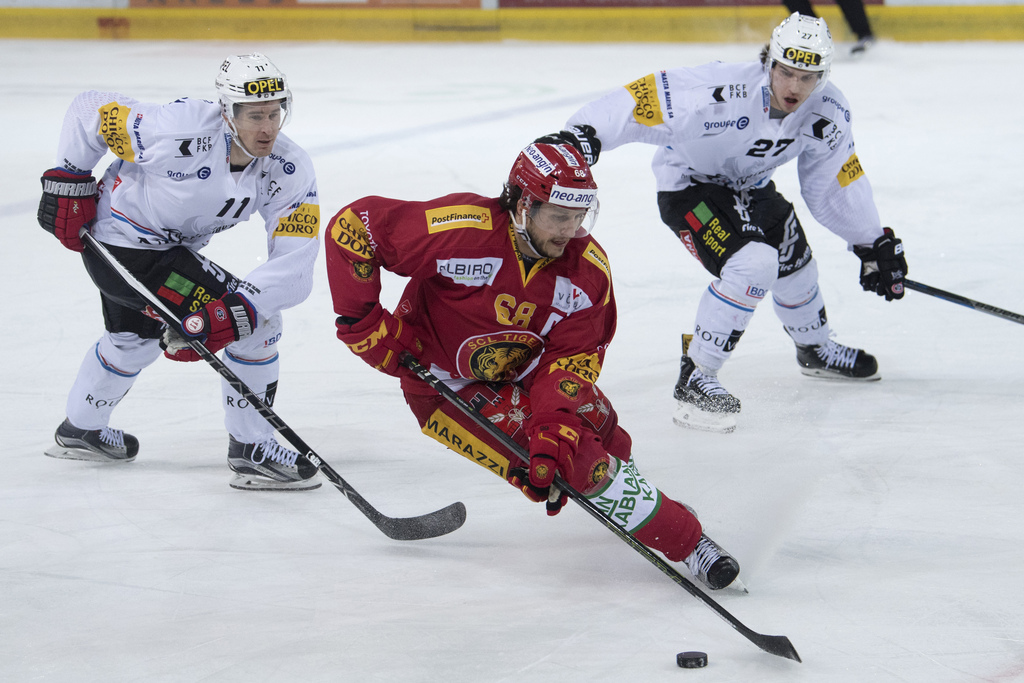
[{"x": 557, "y": 174}]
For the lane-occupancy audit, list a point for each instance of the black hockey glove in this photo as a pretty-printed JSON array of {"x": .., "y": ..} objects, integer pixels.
[
  {"x": 883, "y": 266},
  {"x": 583, "y": 138}
]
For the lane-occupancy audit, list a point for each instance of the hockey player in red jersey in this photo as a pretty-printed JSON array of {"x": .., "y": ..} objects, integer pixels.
[
  {"x": 510, "y": 303},
  {"x": 184, "y": 172}
]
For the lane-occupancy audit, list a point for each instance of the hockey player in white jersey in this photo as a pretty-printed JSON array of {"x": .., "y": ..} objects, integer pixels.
[
  {"x": 721, "y": 131},
  {"x": 183, "y": 172}
]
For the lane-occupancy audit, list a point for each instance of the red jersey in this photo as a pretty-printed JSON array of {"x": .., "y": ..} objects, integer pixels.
[{"x": 482, "y": 312}]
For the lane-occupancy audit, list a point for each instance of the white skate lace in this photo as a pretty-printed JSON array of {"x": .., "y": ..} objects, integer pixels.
[
  {"x": 837, "y": 355},
  {"x": 706, "y": 384},
  {"x": 112, "y": 437},
  {"x": 276, "y": 452},
  {"x": 703, "y": 556}
]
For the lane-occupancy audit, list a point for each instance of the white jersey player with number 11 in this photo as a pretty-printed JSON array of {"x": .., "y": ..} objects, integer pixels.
[
  {"x": 183, "y": 172},
  {"x": 721, "y": 131}
]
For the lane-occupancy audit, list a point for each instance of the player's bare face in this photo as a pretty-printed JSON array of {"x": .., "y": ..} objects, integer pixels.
[
  {"x": 551, "y": 227},
  {"x": 257, "y": 126},
  {"x": 792, "y": 87}
]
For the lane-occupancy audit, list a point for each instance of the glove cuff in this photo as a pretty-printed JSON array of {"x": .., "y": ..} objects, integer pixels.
[
  {"x": 69, "y": 187},
  {"x": 557, "y": 420}
]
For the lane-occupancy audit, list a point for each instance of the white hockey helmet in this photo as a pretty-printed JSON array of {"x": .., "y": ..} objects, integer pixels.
[
  {"x": 804, "y": 43},
  {"x": 251, "y": 79}
]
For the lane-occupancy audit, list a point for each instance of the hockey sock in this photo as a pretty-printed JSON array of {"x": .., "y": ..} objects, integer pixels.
[
  {"x": 800, "y": 306},
  {"x": 728, "y": 304},
  {"x": 656, "y": 520},
  {"x": 241, "y": 420},
  {"x": 105, "y": 376}
]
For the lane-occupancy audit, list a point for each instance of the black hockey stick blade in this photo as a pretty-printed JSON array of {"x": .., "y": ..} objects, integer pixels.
[
  {"x": 774, "y": 645},
  {"x": 430, "y": 525},
  {"x": 963, "y": 301}
]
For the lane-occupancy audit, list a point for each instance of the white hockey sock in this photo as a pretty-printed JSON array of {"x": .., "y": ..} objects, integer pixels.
[
  {"x": 728, "y": 304},
  {"x": 241, "y": 419},
  {"x": 105, "y": 376},
  {"x": 800, "y": 306}
]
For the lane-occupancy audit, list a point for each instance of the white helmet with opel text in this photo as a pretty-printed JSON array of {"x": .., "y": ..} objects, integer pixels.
[
  {"x": 251, "y": 79},
  {"x": 804, "y": 43}
]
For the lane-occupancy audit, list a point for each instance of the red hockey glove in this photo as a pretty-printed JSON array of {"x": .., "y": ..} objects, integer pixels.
[
  {"x": 553, "y": 446},
  {"x": 883, "y": 266},
  {"x": 221, "y": 322},
  {"x": 68, "y": 203},
  {"x": 378, "y": 339}
]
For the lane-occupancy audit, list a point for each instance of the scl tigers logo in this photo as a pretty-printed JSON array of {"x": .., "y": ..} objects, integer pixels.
[{"x": 498, "y": 357}]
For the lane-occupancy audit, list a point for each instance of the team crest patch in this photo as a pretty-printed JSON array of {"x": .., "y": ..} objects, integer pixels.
[
  {"x": 498, "y": 357},
  {"x": 569, "y": 389},
  {"x": 362, "y": 271},
  {"x": 598, "y": 471}
]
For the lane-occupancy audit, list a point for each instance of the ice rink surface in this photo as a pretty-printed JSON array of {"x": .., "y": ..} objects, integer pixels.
[{"x": 878, "y": 525}]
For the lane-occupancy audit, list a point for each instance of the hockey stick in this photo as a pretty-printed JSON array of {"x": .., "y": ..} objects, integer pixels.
[
  {"x": 776, "y": 645},
  {"x": 437, "y": 523},
  {"x": 963, "y": 301}
]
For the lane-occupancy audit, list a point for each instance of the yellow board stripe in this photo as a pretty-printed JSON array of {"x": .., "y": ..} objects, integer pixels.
[{"x": 421, "y": 24}]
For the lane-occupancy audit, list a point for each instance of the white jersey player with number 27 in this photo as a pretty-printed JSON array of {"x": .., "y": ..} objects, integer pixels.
[
  {"x": 721, "y": 131},
  {"x": 712, "y": 124},
  {"x": 183, "y": 172}
]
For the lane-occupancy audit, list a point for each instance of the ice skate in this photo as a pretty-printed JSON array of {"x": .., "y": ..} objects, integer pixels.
[
  {"x": 269, "y": 466},
  {"x": 835, "y": 361},
  {"x": 95, "y": 445},
  {"x": 711, "y": 565},
  {"x": 703, "y": 403},
  {"x": 862, "y": 46}
]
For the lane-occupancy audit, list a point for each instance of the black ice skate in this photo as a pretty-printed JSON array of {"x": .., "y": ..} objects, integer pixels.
[
  {"x": 703, "y": 403},
  {"x": 711, "y": 565},
  {"x": 835, "y": 361},
  {"x": 269, "y": 466},
  {"x": 96, "y": 445}
]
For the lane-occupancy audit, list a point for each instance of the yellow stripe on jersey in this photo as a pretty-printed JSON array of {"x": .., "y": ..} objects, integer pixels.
[
  {"x": 586, "y": 366},
  {"x": 450, "y": 433},
  {"x": 850, "y": 171},
  {"x": 644, "y": 92},
  {"x": 597, "y": 257},
  {"x": 114, "y": 130},
  {"x": 349, "y": 233},
  {"x": 302, "y": 222},
  {"x": 458, "y": 217}
]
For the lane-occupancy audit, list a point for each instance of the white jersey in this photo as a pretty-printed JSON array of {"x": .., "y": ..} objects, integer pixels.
[
  {"x": 172, "y": 185},
  {"x": 712, "y": 125}
]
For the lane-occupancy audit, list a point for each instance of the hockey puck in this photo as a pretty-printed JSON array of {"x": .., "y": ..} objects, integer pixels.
[{"x": 692, "y": 660}]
